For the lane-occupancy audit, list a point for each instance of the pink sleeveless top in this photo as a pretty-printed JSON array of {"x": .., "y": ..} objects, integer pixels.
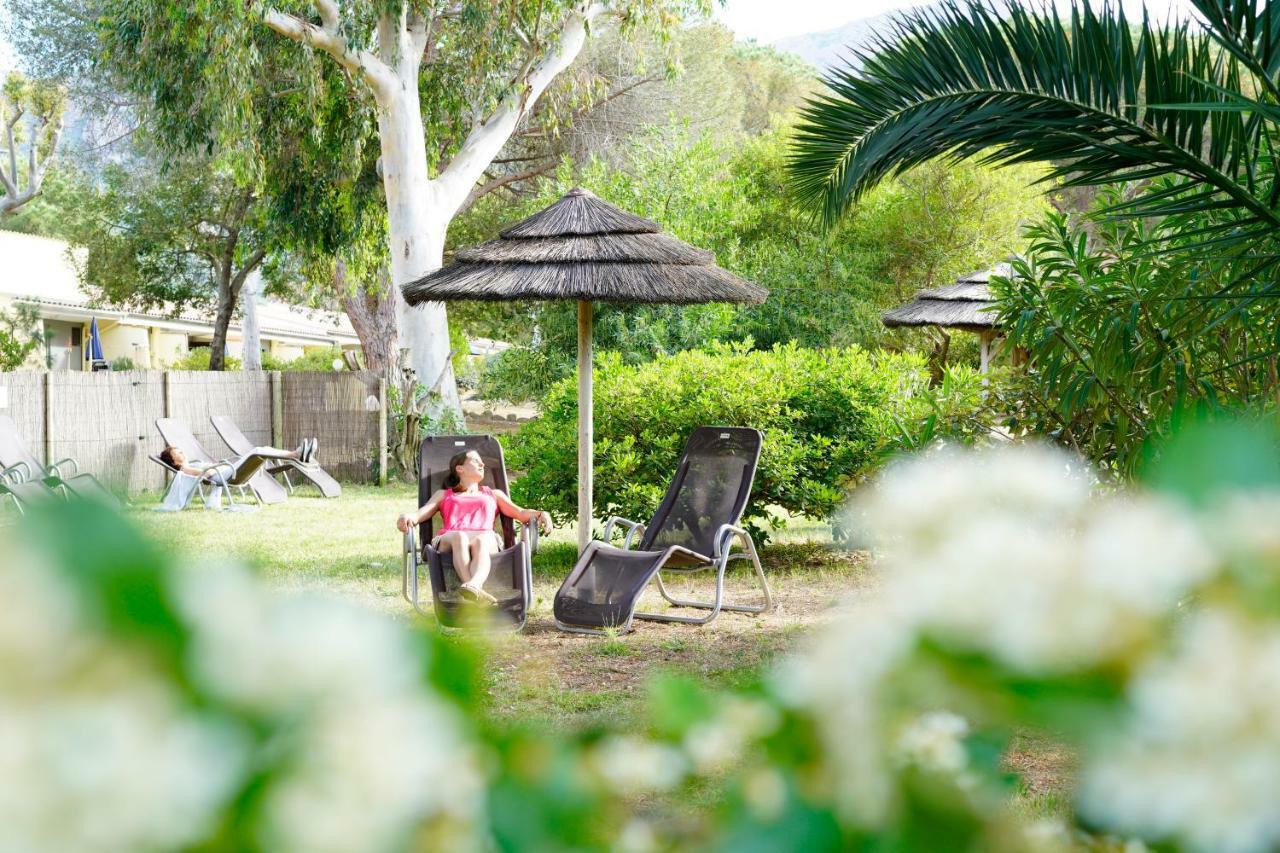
[{"x": 469, "y": 512}]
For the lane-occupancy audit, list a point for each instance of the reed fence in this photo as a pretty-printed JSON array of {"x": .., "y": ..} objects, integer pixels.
[{"x": 106, "y": 421}]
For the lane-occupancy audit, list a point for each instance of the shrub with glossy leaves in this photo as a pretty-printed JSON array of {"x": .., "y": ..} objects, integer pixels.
[{"x": 827, "y": 416}]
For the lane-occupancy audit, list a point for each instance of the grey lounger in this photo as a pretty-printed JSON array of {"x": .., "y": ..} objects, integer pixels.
[
  {"x": 255, "y": 477},
  {"x": 240, "y": 445},
  {"x": 693, "y": 529},
  {"x": 62, "y": 476},
  {"x": 24, "y": 492}
]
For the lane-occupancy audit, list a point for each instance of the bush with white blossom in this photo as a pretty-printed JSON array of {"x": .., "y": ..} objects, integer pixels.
[{"x": 147, "y": 706}]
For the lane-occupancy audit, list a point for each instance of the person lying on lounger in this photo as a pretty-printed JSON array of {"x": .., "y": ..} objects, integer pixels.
[
  {"x": 468, "y": 510},
  {"x": 176, "y": 459}
]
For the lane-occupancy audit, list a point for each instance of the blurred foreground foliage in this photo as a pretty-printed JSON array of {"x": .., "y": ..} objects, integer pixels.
[{"x": 152, "y": 705}]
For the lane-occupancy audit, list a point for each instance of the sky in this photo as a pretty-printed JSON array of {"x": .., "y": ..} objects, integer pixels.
[{"x": 760, "y": 19}]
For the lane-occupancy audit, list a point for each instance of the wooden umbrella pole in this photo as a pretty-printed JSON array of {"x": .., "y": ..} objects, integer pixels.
[{"x": 585, "y": 437}]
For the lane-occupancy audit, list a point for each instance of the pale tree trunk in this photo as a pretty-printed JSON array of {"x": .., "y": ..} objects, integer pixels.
[
  {"x": 372, "y": 311},
  {"x": 419, "y": 209},
  {"x": 230, "y": 284},
  {"x": 416, "y": 226},
  {"x": 249, "y": 325}
]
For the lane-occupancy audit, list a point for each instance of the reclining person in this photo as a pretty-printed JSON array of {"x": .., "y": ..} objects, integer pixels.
[
  {"x": 190, "y": 472},
  {"x": 468, "y": 510}
]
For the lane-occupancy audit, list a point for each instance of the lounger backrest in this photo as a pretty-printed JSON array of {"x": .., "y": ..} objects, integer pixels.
[
  {"x": 231, "y": 434},
  {"x": 14, "y": 450},
  {"x": 433, "y": 467},
  {"x": 176, "y": 433},
  {"x": 711, "y": 487}
]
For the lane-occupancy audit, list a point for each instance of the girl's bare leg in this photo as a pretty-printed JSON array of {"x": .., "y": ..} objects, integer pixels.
[
  {"x": 459, "y": 544},
  {"x": 480, "y": 559}
]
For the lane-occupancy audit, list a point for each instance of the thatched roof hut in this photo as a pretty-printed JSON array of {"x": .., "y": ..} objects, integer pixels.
[
  {"x": 962, "y": 305},
  {"x": 583, "y": 248},
  {"x": 588, "y": 250}
]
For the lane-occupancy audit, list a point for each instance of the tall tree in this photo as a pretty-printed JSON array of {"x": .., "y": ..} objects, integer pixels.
[
  {"x": 447, "y": 82},
  {"x": 31, "y": 124},
  {"x": 189, "y": 235}
]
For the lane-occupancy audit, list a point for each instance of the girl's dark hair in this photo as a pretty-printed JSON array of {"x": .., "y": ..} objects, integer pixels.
[
  {"x": 166, "y": 456},
  {"x": 452, "y": 480}
]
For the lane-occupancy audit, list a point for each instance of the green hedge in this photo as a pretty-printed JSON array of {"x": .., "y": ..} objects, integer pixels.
[{"x": 828, "y": 418}]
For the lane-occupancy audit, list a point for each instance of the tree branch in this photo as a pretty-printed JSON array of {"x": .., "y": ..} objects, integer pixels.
[
  {"x": 482, "y": 190},
  {"x": 488, "y": 136},
  {"x": 328, "y": 38}
]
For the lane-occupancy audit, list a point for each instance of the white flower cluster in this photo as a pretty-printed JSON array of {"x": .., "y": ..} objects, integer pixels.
[
  {"x": 1005, "y": 552},
  {"x": 1200, "y": 758},
  {"x": 101, "y": 750},
  {"x": 97, "y": 750},
  {"x": 372, "y": 754}
]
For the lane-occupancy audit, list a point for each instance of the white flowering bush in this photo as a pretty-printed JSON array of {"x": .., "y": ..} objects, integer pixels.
[{"x": 145, "y": 706}]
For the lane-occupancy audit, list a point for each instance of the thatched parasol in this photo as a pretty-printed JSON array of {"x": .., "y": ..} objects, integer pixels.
[
  {"x": 588, "y": 250},
  {"x": 963, "y": 305}
]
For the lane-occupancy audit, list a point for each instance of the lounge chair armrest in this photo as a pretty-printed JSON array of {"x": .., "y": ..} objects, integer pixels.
[
  {"x": 56, "y": 468},
  {"x": 20, "y": 470},
  {"x": 724, "y": 538},
  {"x": 632, "y": 528},
  {"x": 529, "y": 534}
]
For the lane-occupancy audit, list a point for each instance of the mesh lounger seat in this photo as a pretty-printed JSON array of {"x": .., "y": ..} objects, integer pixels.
[
  {"x": 241, "y": 445},
  {"x": 510, "y": 578},
  {"x": 252, "y": 476},
  {"x": 62, "y": 476},
  {"x": 694, "y": 529}
]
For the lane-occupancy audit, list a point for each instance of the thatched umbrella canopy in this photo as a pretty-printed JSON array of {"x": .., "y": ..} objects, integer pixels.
[
  {"x": 588, "y": 250},
  {"x": 963, "y": 305}
]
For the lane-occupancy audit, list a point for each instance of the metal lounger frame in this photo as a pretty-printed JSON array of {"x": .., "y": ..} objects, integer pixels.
[{"x": 203, "y": 481}]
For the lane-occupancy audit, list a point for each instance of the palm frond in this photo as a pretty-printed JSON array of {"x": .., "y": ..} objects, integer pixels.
[{"x": 966, "y": 80}]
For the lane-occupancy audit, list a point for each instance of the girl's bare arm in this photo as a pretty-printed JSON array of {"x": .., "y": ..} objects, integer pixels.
[{"x": 509, "y": 509}]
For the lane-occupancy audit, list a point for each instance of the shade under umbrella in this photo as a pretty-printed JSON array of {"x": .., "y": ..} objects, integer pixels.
[{"x": 587, "y": 250}]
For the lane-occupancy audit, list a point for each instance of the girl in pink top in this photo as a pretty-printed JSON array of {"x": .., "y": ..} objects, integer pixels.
[{"x": 468, "y": 510}]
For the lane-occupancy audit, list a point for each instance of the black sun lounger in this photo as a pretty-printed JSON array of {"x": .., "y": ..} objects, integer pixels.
[
  {"x": 241, "y": 445},
  {"x": 62, "y": 476},
  {"x": 694, "y": 529},
  {"x": 255, "y": 477},
  {"x": 510, "y": 579}
]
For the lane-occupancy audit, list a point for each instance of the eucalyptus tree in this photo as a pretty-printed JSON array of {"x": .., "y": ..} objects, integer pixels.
[
  {"x": 446, "y": 81},
  {"x": 31, "y": 123}
]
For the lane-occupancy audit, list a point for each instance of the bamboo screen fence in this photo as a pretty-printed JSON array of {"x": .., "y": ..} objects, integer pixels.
[{"x": 106, "y": 421}]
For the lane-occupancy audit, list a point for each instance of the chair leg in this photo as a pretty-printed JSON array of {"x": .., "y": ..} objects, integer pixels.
[
  {"x": 718, "y": 604},
  {"x": 715, "y": 606},
  {"x": 410, "y": 584}
]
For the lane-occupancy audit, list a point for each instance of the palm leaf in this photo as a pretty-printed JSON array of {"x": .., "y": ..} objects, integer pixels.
[{"x": 965, "y": 81}]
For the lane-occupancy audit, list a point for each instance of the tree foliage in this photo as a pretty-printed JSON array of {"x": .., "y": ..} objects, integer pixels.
[
  {"x": 730, "y": 195},
  {"x": 31, "y": 124},
  {"x": 19, "y": 335},
  {"x": 1125, "y": 342}
]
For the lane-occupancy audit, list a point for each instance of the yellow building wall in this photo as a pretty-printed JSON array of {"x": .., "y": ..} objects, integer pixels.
[
  {"x": 167, "y": 347},
  {"x": 123, "y": 341},
  {"x": 286, "y": 352}
]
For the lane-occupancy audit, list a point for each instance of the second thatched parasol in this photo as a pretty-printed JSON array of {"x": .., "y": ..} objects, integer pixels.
[{"x": 584, "y": 249}]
